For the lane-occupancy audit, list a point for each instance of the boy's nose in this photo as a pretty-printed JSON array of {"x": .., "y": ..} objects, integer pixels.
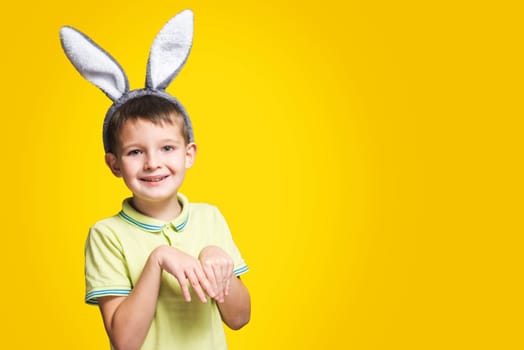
[{"x": 151, "y": 162}]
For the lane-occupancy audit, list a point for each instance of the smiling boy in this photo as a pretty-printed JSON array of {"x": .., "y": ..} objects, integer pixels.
[{"x": 163, "y": 271}]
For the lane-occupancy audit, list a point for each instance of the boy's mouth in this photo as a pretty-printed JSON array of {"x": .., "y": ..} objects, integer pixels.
[{"x": 154, "y": 178}]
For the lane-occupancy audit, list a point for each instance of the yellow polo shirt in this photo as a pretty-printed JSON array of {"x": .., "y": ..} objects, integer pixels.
[{"x": 117, "y": 249}]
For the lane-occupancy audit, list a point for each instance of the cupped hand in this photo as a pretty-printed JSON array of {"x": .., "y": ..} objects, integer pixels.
[
  {"x": 184, "y": 268},
  {"x": 218, "y": 268}
]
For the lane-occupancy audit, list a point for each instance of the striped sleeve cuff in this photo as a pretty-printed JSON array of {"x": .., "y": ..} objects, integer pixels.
[
  {"x": 240, "y": 270},
  {"x": 92, "y": 297}
]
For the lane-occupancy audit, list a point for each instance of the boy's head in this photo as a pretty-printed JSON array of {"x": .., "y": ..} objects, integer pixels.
[
  {"x": 147, "y": 134},
  {"x": 150, "y": 148},
  {"x": 152, "y": 108}
]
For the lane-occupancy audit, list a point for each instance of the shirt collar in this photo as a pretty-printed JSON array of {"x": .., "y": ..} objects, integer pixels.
[{"x": 149, "y": 224}]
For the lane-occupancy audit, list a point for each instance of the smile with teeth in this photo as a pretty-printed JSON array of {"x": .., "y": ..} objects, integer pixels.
[{"x": 154, "y": 178}]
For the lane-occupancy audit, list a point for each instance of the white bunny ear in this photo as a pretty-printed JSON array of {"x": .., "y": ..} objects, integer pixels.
[
  {"x": 170, "y": 50},
  {"x": 93, "y": 63}
]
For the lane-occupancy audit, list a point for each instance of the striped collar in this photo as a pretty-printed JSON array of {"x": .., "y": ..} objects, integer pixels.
[{"x": 149, "y": 224}]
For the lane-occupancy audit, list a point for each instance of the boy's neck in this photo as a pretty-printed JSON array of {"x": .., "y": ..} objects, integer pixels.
[{"x": 162, "y": 210}]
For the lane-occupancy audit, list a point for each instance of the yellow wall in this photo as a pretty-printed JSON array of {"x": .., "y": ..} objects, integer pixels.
[{"x": 367, "y": 155}]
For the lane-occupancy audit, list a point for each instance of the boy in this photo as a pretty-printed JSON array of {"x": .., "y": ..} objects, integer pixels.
[
  {"x": 163, "y": 271},
  {"x": 140, "y": 262}
]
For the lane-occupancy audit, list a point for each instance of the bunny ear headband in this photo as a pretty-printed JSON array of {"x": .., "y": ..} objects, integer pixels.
[{"x": 167, "y": 56}]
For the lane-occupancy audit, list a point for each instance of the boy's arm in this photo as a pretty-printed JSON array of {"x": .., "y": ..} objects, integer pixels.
[
  {"x": 127, "y": 319},
  {"x": 232, "y": 295},
  {"x": 236, "y": 307}
]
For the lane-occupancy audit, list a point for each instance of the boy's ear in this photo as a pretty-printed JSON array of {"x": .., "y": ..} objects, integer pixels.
[
  {"x": 191, "y": 150},
  {"x": 112, "y": 163}
]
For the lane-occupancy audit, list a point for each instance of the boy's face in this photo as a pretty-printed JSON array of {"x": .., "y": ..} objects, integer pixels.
[{"x": 152, "y": 159}]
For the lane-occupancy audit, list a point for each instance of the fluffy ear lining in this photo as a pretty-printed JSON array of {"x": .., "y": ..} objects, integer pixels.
[
  {"x": 93, "y": 63},
  {"x": 170, "y": 50}
]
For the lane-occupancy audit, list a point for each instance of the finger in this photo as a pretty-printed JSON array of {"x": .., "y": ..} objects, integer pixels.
[
  {"x": 225, "y": 278},
  {"x": 211, "y": 272},
  {"x": 195, "y": 283},
  {"x": 206, "y": 282},
  {"x": 181, "y": 278},
  {"x": 220, "y": 283},
  {"x": 228, "y": 283},
  {"x": 228, "y": 275},
  {"x": 212, "y": 287}
]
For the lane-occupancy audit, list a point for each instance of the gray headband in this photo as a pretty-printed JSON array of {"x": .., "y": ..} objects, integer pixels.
[{"x": 167, "y": 56}]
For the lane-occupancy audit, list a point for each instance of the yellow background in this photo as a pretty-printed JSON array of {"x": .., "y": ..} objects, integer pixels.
[{"x": 367, "y": 155}]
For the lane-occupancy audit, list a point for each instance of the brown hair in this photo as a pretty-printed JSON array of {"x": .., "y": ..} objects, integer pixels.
[{"x": 155, "y": 109}]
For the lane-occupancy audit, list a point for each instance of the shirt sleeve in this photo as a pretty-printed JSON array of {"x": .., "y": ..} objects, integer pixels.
[
  {"x": 105, "y": 267},
  {"x": 224, "y": 239}
]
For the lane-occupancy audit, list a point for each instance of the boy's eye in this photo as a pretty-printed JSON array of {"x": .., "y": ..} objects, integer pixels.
[
  {"x": 168, "y": 148},
  {"x": 133, "y": 152}
]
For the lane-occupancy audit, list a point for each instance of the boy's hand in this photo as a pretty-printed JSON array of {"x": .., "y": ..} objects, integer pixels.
[
  {"x": 218, "y": 267},
  {"x": 185, "y": 268}
]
